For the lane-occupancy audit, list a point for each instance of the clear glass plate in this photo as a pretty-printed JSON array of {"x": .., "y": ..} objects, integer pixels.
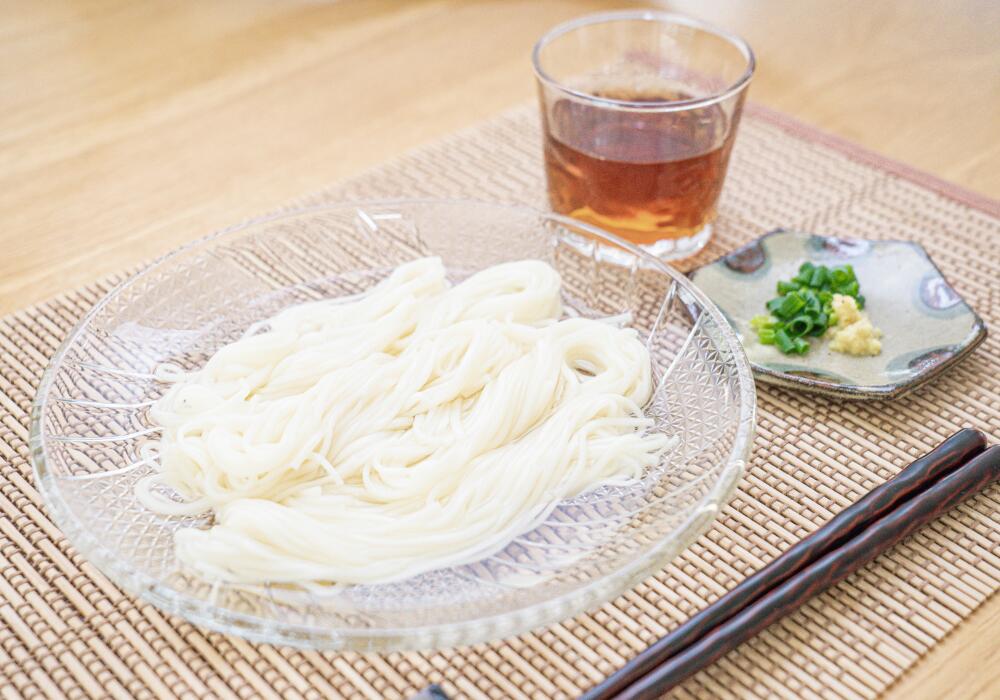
[{"x": 90, "y": 419}]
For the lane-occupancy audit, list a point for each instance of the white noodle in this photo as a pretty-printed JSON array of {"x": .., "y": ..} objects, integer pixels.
[{"x": 413, "y": 427}]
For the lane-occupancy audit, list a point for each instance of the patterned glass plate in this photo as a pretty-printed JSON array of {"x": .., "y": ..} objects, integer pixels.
[{"x": 90, "y": 419}]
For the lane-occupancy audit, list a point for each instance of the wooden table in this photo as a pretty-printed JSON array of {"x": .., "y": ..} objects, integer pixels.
[{"x": 130, "y": 127}]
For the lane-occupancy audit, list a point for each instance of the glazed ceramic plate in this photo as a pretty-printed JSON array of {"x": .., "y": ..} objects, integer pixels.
[{"x": 928, "y": 327}]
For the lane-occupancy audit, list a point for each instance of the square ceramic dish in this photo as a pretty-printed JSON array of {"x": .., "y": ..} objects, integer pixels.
[{"x": 927, "y": 326}]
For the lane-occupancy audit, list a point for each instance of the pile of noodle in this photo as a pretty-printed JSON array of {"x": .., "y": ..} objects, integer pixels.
[{"x": 416, "y": 426}]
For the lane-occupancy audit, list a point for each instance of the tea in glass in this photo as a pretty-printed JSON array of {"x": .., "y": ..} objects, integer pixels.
[{"x": 639, "y": 112}]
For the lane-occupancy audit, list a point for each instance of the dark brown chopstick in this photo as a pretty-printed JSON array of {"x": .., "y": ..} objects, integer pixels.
[
  {"x": 950, "y": 454},
  {"x": 835, "y": 566}
]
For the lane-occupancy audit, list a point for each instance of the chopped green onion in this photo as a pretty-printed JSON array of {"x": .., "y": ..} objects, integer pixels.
[
  {"x": 820, "y": 277},
  {"x": 799, "y": 326},
  {"x": 850, "y": 289},
  {"x": 813, "y": 304},
  {"x": 839, "y": 276},
  {"x": 804, "y": 306},
  {"x": 805, "y": 274},
  {"x": 786, "y": 306},
  {"x": 784, "y": 342}
]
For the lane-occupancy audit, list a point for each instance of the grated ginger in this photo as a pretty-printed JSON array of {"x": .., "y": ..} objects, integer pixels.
[{"x": 854, "y": 333}]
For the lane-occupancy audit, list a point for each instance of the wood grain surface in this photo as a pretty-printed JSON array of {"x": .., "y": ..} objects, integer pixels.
[{"x": 130, "y": 127}]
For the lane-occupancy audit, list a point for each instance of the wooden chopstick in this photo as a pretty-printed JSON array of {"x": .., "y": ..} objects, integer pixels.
[
  {"x": 953, "y": 452},
  {"x": 949, "y": 455},
  {"x": 829, "y": 570}
]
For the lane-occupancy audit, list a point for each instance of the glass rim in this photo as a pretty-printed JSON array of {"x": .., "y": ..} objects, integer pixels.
[{"x": 645, "y": 16}]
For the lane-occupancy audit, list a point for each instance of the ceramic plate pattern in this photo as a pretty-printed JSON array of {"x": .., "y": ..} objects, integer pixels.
[{"x": 927, "y": 325}]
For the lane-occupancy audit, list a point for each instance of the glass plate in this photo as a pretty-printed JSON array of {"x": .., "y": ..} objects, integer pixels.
[{"x": 91, "y": 417}]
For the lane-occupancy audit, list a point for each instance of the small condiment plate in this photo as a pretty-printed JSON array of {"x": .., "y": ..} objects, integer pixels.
[{"x": 927, "y": 326}]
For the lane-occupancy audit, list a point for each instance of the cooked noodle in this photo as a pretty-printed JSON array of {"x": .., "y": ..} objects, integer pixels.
[{"x": 413, "y": 427}]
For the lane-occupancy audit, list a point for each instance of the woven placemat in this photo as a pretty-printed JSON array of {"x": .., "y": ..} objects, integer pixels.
[{"x": 66, "y": 631}]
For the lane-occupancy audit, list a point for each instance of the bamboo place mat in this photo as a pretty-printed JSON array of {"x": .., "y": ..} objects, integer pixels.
[{"x": 65, "y": 630}]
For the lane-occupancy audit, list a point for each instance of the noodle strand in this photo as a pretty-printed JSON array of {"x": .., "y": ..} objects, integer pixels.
[{"x": 413, "y": 427}]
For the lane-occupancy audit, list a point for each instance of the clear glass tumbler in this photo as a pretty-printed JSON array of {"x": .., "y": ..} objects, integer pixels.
[{"x": 639, "y": 110}]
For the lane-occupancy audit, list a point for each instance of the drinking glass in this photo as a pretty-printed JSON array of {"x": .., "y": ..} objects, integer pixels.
[{"x": 639, "y": 110}]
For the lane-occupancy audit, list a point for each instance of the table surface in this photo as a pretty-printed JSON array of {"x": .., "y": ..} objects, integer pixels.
[{"x": 129, "y": 128}]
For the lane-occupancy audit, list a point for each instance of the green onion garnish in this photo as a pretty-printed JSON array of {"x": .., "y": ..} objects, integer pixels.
[
  {"x": 800, "y": 325},
  {"x": 784, "y": 341},
  {"x": 804, "y": 307}
]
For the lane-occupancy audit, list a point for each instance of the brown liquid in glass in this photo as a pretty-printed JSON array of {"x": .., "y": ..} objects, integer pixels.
[{"x": 646, "y": 176}]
